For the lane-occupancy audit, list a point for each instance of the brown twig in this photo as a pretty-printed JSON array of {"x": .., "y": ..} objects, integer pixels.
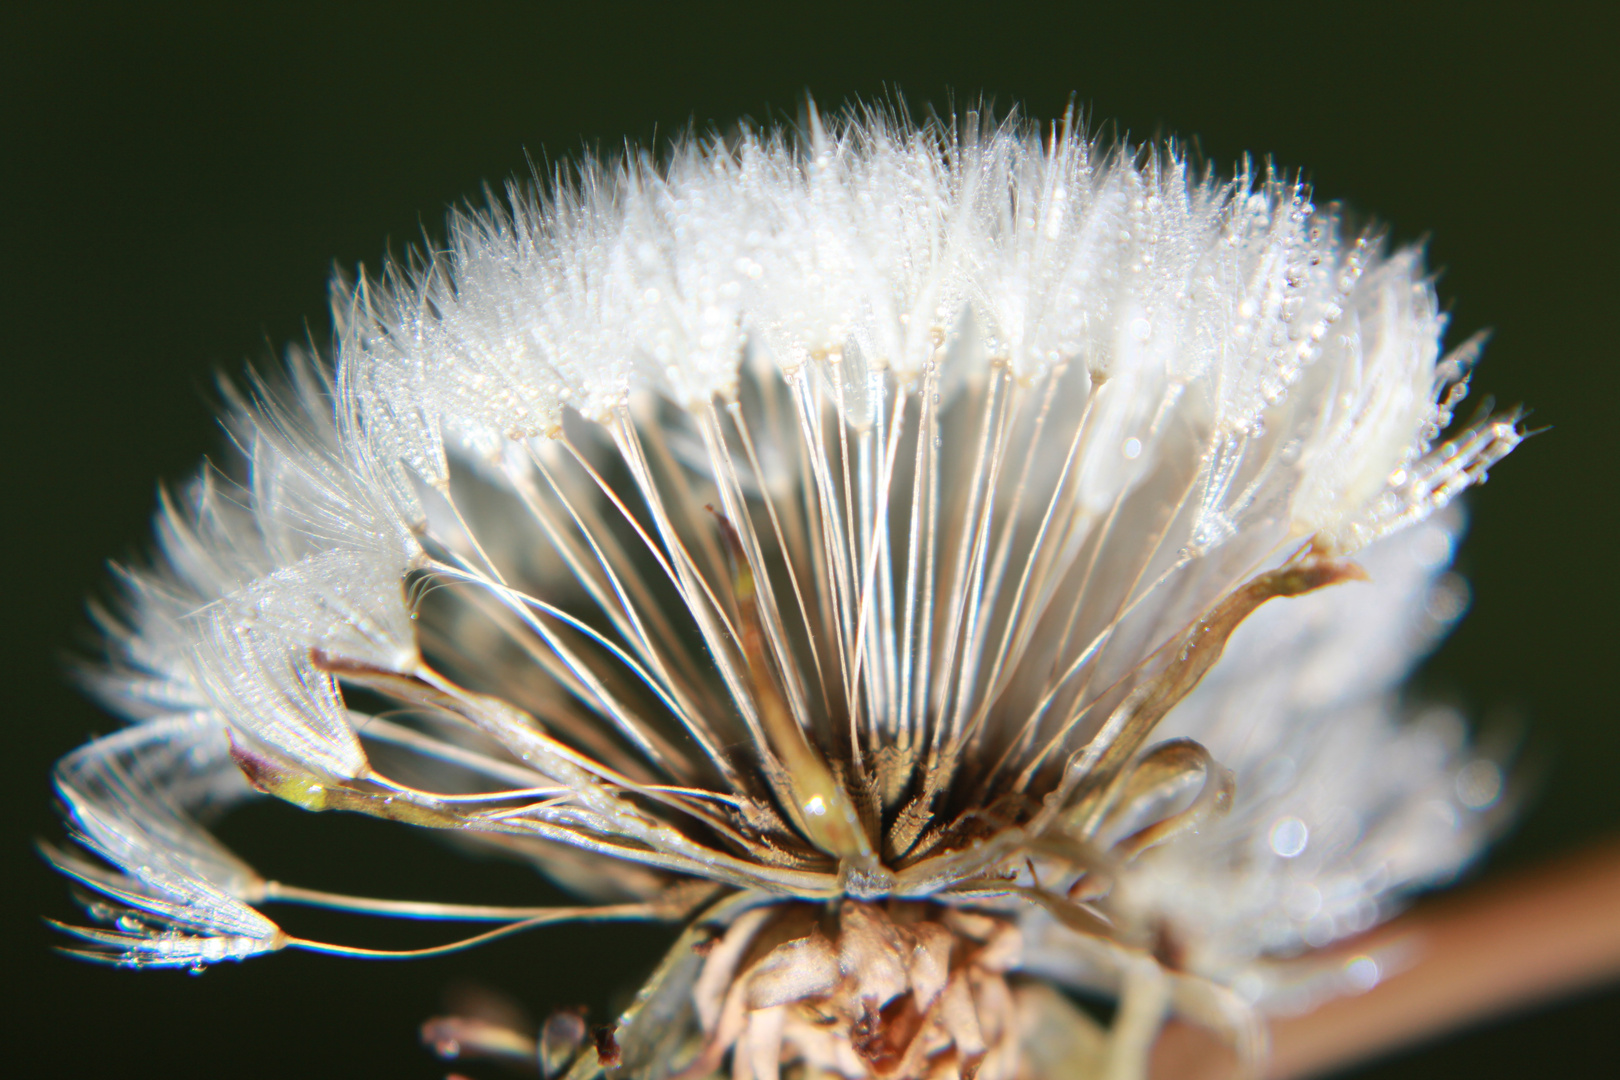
[{"x": 1475, "y": 955}]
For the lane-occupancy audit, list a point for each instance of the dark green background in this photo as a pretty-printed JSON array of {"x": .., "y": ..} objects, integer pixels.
[{"x": 180, "y": 180}]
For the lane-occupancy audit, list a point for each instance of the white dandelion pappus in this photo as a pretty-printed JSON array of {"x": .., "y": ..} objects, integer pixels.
[{"x": 802, "y": 539}]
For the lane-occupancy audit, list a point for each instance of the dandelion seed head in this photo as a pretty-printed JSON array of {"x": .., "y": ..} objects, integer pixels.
[{"x": 832, "y": 517}]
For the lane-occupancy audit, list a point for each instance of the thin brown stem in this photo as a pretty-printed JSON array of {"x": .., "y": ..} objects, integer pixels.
[{"x": 1480, "y": 954}]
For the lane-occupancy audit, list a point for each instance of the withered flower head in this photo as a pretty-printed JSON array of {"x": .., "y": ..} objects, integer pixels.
[{"x": 817, "y": 540}]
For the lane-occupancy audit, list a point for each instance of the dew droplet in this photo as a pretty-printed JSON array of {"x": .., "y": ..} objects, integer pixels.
[
  {"x": 1448, "y": 599},
  {"x": 1289, "y": 837},
  {"x": 1362, "y": 973},
  {"x": 1303, "y": 902},
  {"x": 1479, "y": 784}
]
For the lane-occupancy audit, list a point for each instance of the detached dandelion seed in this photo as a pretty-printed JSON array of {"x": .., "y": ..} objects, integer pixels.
[{"x": 934, "y": 564}]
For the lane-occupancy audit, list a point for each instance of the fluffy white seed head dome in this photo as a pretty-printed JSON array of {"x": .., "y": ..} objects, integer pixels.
[{"x": 831, "y": 514}]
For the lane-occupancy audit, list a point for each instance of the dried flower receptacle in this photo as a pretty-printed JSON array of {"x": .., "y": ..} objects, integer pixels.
[{"x": 805, "y": 540}]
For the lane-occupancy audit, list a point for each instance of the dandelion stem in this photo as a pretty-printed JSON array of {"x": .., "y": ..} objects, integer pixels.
[{"x": 1494, "y": 950}]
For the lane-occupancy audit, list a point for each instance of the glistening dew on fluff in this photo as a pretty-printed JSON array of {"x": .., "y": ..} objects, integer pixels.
[{"x": 820, "y": 540}]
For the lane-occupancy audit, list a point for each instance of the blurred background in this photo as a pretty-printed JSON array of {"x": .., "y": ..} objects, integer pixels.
[{"x": 180, "y": 180}]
